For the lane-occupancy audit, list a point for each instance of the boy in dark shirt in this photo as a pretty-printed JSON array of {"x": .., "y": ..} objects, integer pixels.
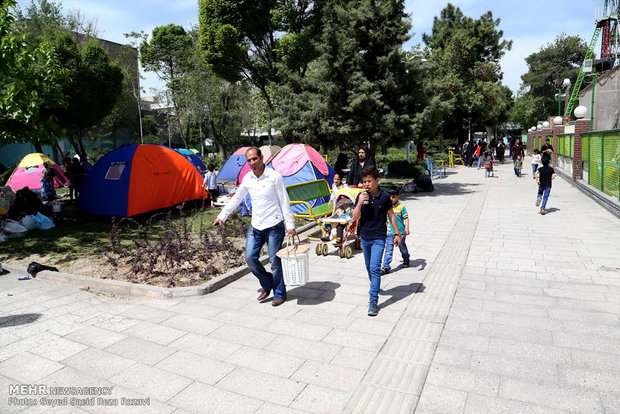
[
  {"x": 544, "y": 175},
  {"x": 372, "y": 208},
  {"x": 547, "y": 148}
]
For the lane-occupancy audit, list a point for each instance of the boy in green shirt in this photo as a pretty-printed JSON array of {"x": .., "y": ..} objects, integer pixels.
[{"x": 402, "y": 221}]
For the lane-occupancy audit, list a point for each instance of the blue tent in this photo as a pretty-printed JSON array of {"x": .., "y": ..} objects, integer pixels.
[{"x": 194, "y": 159}]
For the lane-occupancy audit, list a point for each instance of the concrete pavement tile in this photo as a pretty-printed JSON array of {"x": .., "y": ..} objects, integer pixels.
[
  {"x": 515, "y": 367},
  {"x": 316, "y": 399},
  {"x": 329, "y": 376},
  {"x": 595, "y": 360},
  {"x": 245, "y": 319},
  {"x": 194, "y": 324},
  {"x": 266, "y": 361},
  {"x": 473, "y": 314},
  {"x": 585, "y": 316},
  {"x": 396, "y": 375},
  {"x": 355, "y": 339},
  {"x": 514, "y": 309},
  {"x": 593, "y": 329},
  {"x": 13, "y": 406},
  {"x": 271, "y": 388},
  {"x": 223, "y": 302},
  {"x": 28, "y": 368},
  {"x": 611, "y": 401},
  {"x": 418, "y": 329},
  {"x": 439, "y": 400},
  {"x": 461, "y": 340},
  {"x": 368, "y": 399},
  {"x": 455, "y": 325},
  {"x": 475, "y": 293},
  {"x": 333, "y": 307},
  {"x": 243, "y": 336},
  {"x": 452, "y": 356},
  {"x": 112, "y": 322},
  {"x": 536, "y": 300},
  {"x": 567, "y": 293},
  {"x": 195, "y": 308},
  {"x": 386, "y": 315},
  {"x": 148, "y": 313},
  {"x": 269, "y": 408},
  {"x": 586, "y": 342},
  {"x": 534, "y": 322},
  {"x": 264, "y": 308},
  {"x": 153, "y": 382},
  {"x": 58, "y": 349},
  {"x": 298, "y": 329},
  {"x": 7, "y": 338},
  {"x": 140, "y": 350},
  {"x": 321, "y": 318},
  {"x": 563, "y": 398},
  {"x": 205, "y": 346},
  {"x": 98, "y": 363},
  {"x": 153, "y": 332},
  {"x": 408, "y": 350},
  {"x": 371, "y": 326},
  {"x": 196, "y": 367},
  {"x": 463, "y": 379},
  {"x": 600, "y": 380},
  {"x": 495, "y": 330},
  {"x": 482, "y": 404},
  {"x": 354, "y": 358},
  {"x": 124, "y": 397},
  {"x": 96, "y": 337},
  {"x": 304, "y": 348}
]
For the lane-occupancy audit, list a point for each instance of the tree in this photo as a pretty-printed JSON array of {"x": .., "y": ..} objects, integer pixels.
[
  {"x": 256, "y": 40},
  {"x": 167, "y": 55},
  {"x": 94, "y": 88},
  {"x": 547, "y": 69},
  {"x": 213, "y": 104},
  {"x": 466, "y": 53},
  {"x": 31, "y": 83},
  {"x": 358, "y": 88}
]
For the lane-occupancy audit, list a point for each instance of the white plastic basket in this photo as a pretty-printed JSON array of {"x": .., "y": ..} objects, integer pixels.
[{"x": 295, "y": 268}]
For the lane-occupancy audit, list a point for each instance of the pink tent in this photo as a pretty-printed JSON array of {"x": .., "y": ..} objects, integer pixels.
[{"x": 30, "y": 170}]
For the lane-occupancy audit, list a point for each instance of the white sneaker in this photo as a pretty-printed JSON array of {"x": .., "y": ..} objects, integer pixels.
[{"x": 538, "y": 201}]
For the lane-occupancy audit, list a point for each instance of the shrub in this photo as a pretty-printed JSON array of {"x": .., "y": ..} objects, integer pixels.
[{"x": 403, "y": 169}]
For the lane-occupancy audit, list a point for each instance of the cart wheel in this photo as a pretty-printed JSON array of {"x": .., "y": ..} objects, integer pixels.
[
  {"x": 348, "y": 252},
  {"x": 318, "y": 249},
  {"x": 341, "y": 250},
  {"x": 325, "y": 249},
  {"x": 358, "y": 244}
]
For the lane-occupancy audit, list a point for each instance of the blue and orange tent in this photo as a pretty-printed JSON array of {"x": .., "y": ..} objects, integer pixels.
[
  {"x": 135, "y": 179},
  {"x": 193, "y": 158}
]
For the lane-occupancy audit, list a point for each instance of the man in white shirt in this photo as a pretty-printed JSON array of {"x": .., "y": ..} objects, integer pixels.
[{"x": 270, "y": 210}]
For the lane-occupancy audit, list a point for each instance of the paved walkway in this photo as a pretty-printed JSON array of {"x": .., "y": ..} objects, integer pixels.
[{"x": 505, "y": 311}]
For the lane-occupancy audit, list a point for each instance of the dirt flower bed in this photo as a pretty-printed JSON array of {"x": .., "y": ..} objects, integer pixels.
[{"x": 174, "y": 253}]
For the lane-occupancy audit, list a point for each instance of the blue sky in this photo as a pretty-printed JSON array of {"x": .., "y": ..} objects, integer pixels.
[{"x": 529, "y": 23}]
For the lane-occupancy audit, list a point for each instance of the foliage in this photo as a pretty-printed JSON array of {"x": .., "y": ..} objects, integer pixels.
[
  {"x": 403, "y": 169},
  {"x": 353, "y": 92},
  {"x": 547, "y": 69},
  {"x": 526, "y": 110},
  {"x": 466, "y": 53},
  {"x": 213, "y": 104},
  {"x": 31, "y": 82},
  {"x": 172, "y": 249}
]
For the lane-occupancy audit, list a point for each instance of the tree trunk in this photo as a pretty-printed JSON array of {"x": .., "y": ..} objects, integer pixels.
[
  {"x": 82, "y": 151},
  {"x": 441, "y": 145},
  {"x": 222, "y": 151},
  {"x": 38, "y": 147}
]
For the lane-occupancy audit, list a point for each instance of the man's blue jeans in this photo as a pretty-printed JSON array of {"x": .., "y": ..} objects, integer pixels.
[
  {"x": 544, "y": 193},
  {"x": 534, "y": 168},
  {"x": 273, "y": 236},
  {"x": 389, "y": 251},
  {"x": 373, "y": 253}
]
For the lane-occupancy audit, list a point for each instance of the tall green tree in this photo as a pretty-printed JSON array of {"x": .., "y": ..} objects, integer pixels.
[
  {"x": 358, "y": 88},
  {"x": 547, "y": 69},
  {"x": 215, "y": 105},
  {"x": 31, "y": 82},
  {"x": 466, "y": 53},
  {"x": 167, "y": 55},
  {"x": 261, "y": 42}
]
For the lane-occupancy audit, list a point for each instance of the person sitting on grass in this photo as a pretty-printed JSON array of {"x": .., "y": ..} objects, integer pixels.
[
  {"x": 372, "y": 208},
  {"x": 402, "y": 219},
  {"x": 328, "y": 232}
]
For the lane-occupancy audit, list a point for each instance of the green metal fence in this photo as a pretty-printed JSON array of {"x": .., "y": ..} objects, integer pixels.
[{"x": 601, "y": 149}]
